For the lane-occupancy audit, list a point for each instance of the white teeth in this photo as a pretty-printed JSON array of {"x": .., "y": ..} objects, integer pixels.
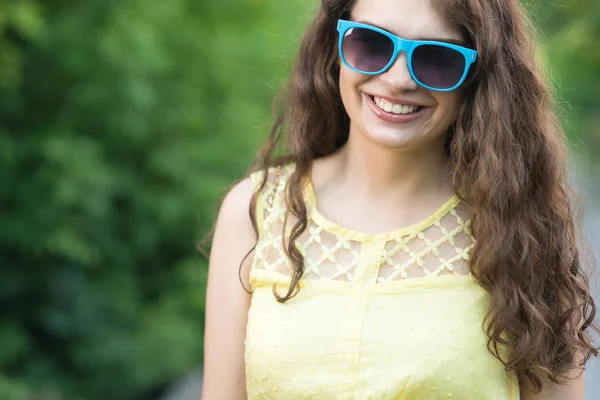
[{"x": 394, "y": 108}]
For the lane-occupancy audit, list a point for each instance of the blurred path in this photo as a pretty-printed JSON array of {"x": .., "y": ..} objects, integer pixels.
[
  {"x": 190, "y": 387},
  {"x": 591, "y": 196}
]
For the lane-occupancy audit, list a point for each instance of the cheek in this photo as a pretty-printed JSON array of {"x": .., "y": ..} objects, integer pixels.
[
  {"x": 349, "y": 91},
  {"x": 449, "y": 103}
]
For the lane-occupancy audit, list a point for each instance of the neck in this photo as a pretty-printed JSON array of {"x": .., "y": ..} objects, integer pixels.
[{"x": 375, "y": 171}]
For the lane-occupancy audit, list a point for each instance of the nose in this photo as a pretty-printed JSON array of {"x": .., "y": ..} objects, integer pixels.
[{"x": 398, "y": 75}]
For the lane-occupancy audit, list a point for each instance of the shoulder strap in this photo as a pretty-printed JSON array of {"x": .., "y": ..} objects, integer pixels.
[
  {"x": 277, "y": 174},
  {"x": 269, "y": 192}
]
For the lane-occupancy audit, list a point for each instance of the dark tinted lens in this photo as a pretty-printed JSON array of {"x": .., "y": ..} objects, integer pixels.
[
  {"x": 438, "y": 66},
  {"x": 367, "y": 50}
]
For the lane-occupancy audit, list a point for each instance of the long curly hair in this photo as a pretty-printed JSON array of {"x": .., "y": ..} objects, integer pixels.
[{"x": 508, "y": 153}]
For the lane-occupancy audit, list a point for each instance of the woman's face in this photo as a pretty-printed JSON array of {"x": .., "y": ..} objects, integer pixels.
[{"x": 362, "y": 94}]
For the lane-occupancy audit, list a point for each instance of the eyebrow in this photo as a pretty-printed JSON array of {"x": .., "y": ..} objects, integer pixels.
[{"x": 457, "y": 42}]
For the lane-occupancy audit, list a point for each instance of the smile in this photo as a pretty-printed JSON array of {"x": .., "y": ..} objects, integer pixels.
[
  {"x": 396, "y": 112},
  {"x": 395, "y": 108}
]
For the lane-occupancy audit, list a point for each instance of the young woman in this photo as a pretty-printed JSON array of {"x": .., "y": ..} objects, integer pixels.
[{"x": 417, "y": 242}]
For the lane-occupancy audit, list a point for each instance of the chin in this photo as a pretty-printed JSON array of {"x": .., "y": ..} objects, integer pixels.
[{"x": 393, "y": 138}]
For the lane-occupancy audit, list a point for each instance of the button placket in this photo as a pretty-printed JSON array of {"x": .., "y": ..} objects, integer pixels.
[{"x": 364, "y": 283}]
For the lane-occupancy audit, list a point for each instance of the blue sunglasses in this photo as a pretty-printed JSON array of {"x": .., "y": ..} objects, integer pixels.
[{"x": 434, "y": 65}]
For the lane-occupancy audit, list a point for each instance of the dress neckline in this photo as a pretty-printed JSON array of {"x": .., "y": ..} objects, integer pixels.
[{"x": 355, "y": 235}]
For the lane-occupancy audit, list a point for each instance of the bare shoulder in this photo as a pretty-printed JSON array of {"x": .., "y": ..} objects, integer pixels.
[
  {"x": 234, "y": 226},
  {"x": 573, "y": 389},
  {"x": 236, "y": 205},
  {"x": 234, "y": 233}
]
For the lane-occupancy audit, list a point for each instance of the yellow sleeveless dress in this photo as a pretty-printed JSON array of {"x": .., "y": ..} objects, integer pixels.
[{"x": 378, "y": 316}]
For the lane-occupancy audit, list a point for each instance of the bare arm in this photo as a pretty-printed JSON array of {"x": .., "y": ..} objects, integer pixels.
[
  {"x": 226, "y": 301},
  {"x": 573, "y": 390}
]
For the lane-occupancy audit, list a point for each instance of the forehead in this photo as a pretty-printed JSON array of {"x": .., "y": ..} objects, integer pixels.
[{"x": 409, "y": 19}]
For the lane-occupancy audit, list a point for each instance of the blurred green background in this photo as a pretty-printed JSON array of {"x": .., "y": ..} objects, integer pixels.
[{"x": 121, "y": 122}]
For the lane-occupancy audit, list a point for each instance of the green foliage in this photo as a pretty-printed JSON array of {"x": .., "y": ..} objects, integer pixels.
[
  {"x": 571, "y": 33},
  {"x": 120, "y": 124}
]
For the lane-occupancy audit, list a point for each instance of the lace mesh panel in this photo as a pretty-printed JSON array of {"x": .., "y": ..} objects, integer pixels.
[
  {"x": 328, "y": 256},
  {"x": 269, "y": 252},
  {"x": 440, "y": 249}
]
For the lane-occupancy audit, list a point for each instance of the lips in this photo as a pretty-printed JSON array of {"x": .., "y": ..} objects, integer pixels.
[
  {"x": 408, "y": 111},
  {"x": 395, "y": 100}
]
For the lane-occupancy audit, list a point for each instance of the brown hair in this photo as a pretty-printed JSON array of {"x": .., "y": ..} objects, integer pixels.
[{"x": 508, "y": 152}]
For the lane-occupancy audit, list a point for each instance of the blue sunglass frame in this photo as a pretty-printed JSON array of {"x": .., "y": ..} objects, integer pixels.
[{"x": 408, "y": 46}]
